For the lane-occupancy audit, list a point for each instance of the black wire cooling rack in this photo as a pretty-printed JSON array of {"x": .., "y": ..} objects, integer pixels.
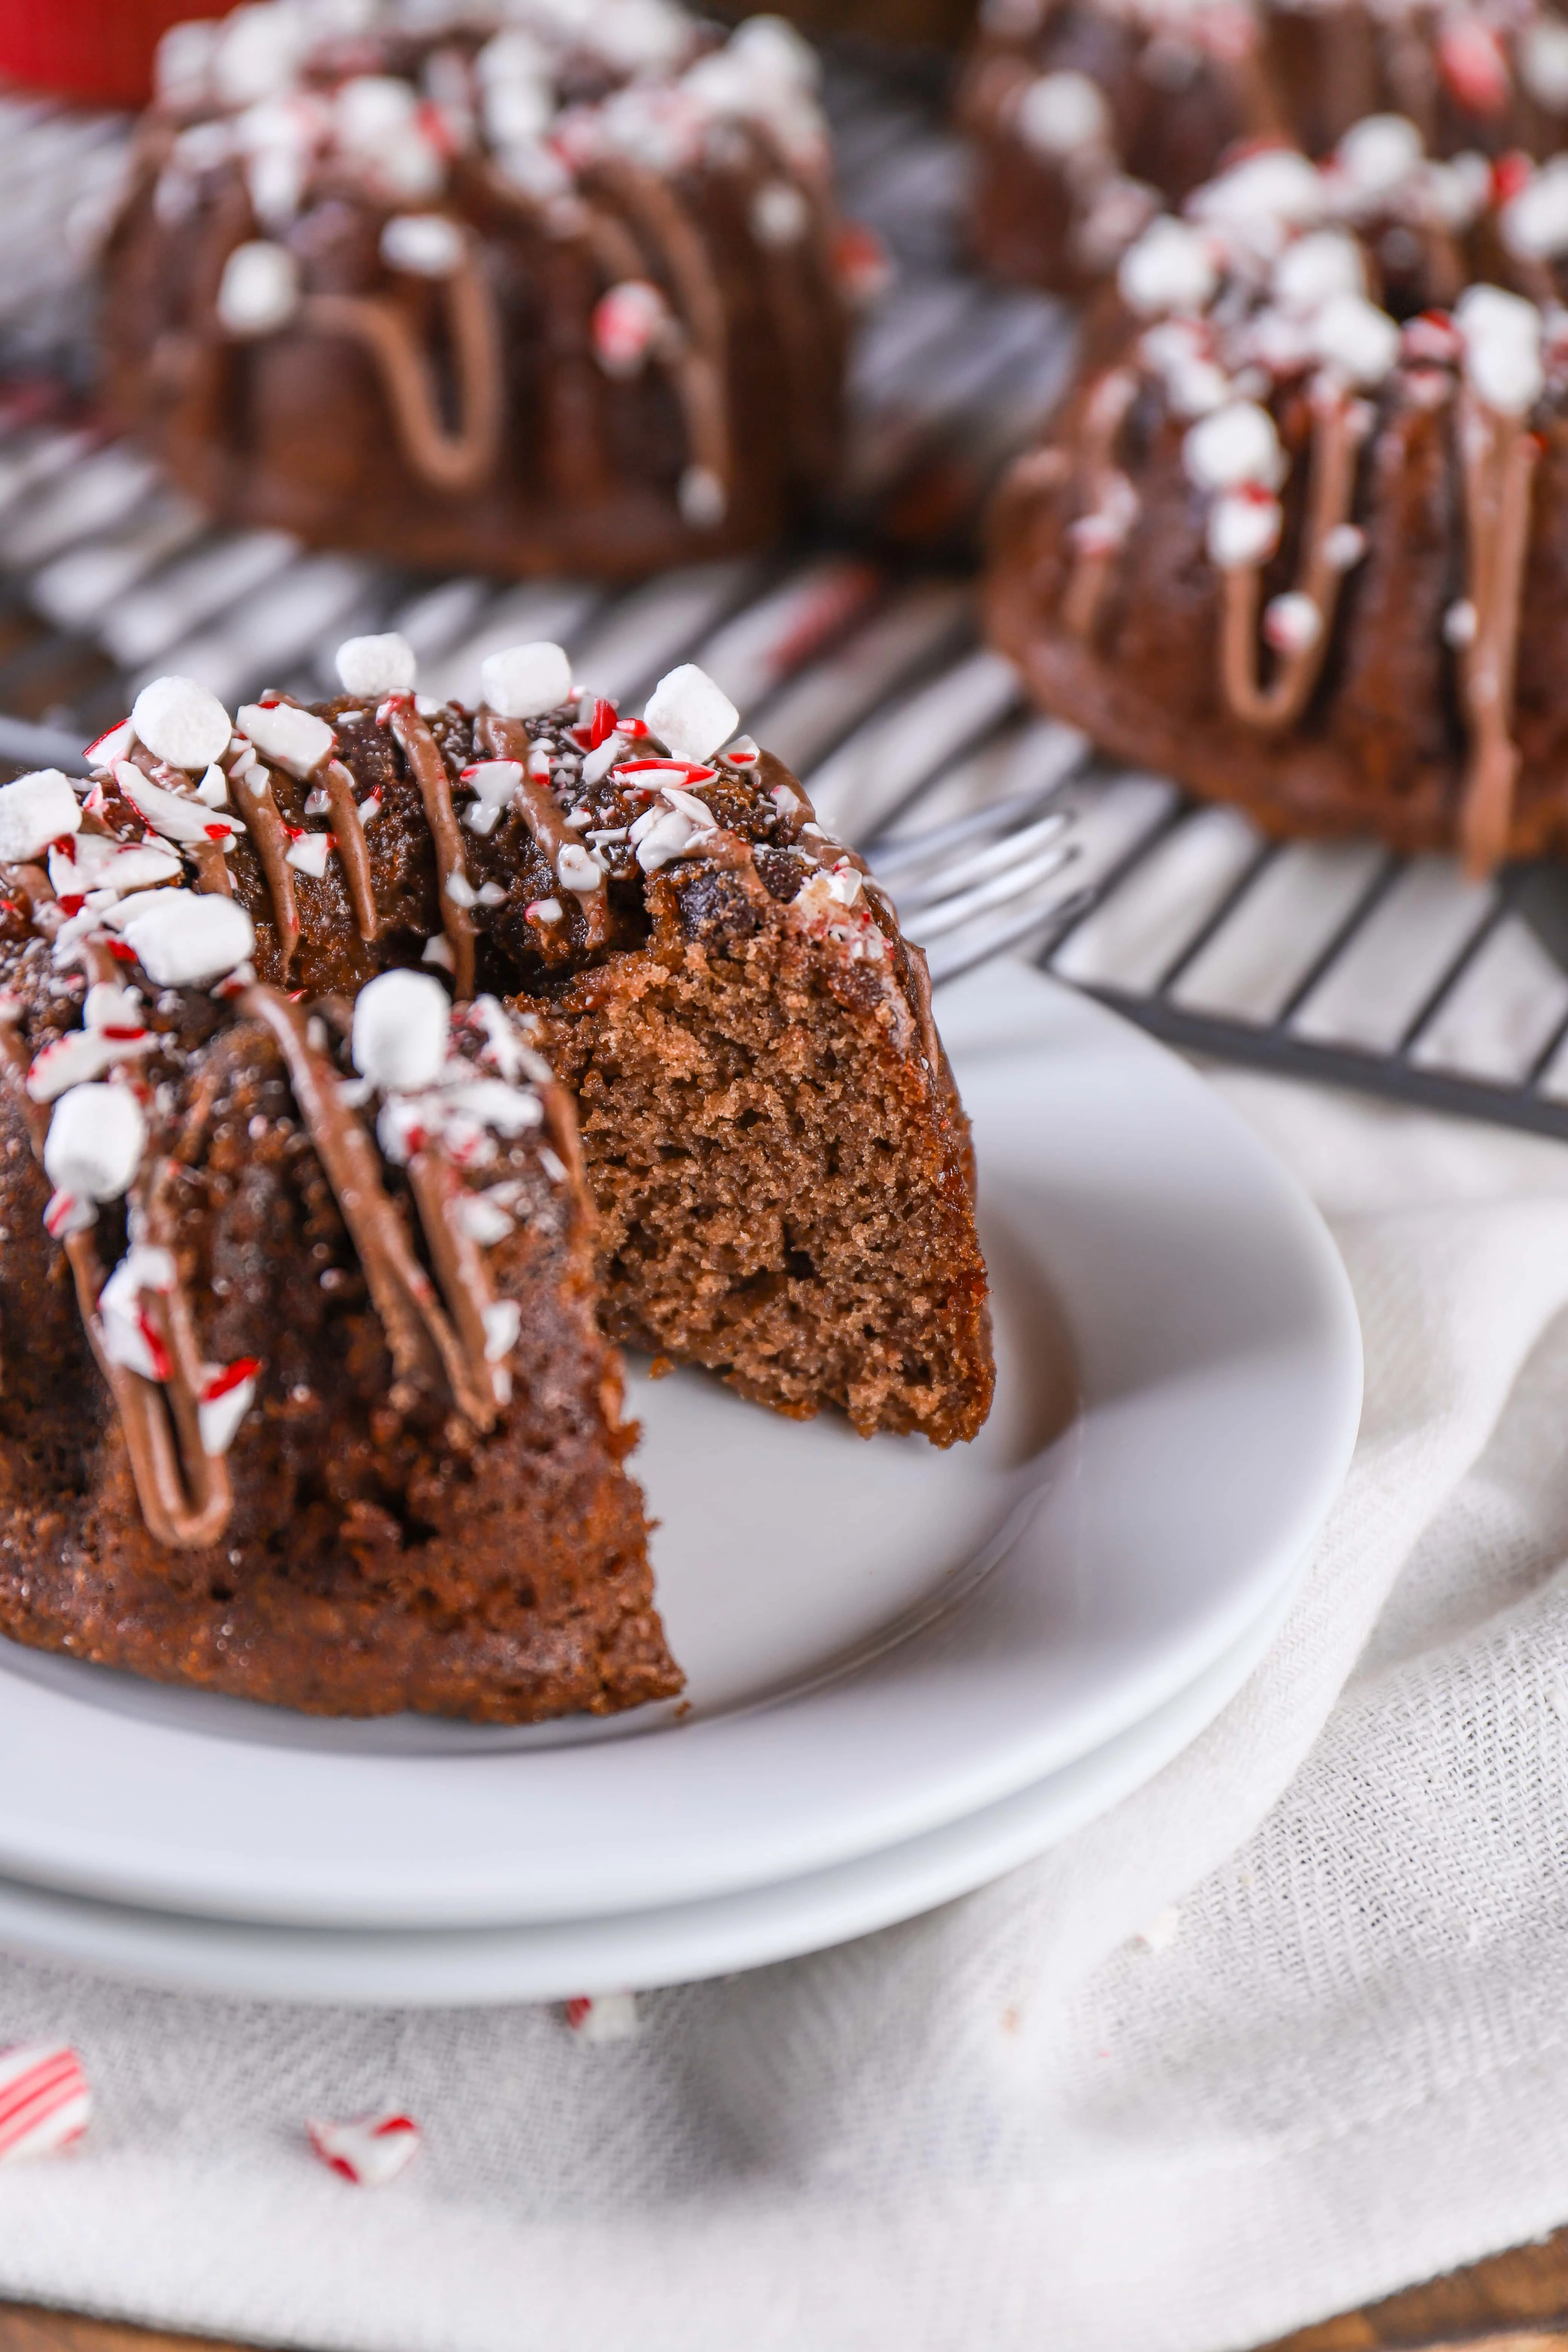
[{"x": 855, "y": 657}]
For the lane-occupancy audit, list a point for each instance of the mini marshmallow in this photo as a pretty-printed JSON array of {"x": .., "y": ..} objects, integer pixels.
[
  {"x": 701, "y": 497},
  {"x": 425, "y": 244},
  {"x": 1169, "y": 268},
  {"x": 96, "y": 1139},
  {"x": 1502, "y": 336},
  {"x": 35, "y": 810},
  {"x": 1543, "y": 52},
  {"x": 690, "y": 714},
  {"x": 1237, "y": 444},
  {"x": 290, "y": 738},
  {"x": 181, "y": 722},
  {"x": 1352, "y": 336},
  {"x": 1535, "y": 223},
  {"x": 401, "y": 1023},
  {"x": 259, "y": 290},
  {"x": 256, "y": 51},
  {"x": 184, "y": 941},
  {"x": 525, "y": 681},
  {"x": 1060, "y": 114},
  {"x": 374, "y": 666},
  {"x": 1316, "y": 269},
  {"x": 1376, "y": 153},
  {"x": 1243, "y": 530},
  {"x": 780, "y": 215}
]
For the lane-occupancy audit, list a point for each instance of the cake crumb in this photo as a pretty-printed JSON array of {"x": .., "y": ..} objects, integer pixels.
[{"x": 661, "y": 1368}]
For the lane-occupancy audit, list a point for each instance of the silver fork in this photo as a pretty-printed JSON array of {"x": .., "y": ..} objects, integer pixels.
[{"x": 968, "y": 891}]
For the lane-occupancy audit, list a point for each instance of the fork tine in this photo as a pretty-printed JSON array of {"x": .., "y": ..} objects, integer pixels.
[
  {"x": 1012, "y": 850},
  {"x": 1003, "y": 890},
  {"x": 917, "y": 850},
  {"x": 967, "y": 955}
]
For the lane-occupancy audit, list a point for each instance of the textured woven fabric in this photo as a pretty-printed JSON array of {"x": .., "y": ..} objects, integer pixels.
[{"x": 1341, "y": 2066}]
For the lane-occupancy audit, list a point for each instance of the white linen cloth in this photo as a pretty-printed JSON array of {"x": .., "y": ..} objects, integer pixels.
[{"x": 1013, "y": 2124}]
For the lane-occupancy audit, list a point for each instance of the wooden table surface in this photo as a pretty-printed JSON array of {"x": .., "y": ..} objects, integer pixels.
[{"x": 1515, "y": 2303}]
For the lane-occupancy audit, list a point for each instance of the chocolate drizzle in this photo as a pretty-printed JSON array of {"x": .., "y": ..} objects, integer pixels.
[
  {"x": 1099, "y": 533},
  {"x": 427, "y": 1351},
  {"x": 1498, "y": 457},
  {"x": 507, "y": 739},
  {"x": 423, "y": 754},
  {"x": 352, "y": 849},
  {"x": 448, "y": 461},
  {"x": 270, "y": 834},
  {"x": 1340, "y": 425}
]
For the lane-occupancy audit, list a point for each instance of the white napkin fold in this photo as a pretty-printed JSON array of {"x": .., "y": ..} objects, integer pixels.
[{"x": 1341, "y": 2066}]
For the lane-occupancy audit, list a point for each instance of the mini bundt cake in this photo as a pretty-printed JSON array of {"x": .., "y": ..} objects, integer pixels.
[
  {"x": 306, "y": 1398},
  {"x": 564, "y": 291},
  {"x": 1089, "y": 114},
  {"x": 1302, "y": 551}
]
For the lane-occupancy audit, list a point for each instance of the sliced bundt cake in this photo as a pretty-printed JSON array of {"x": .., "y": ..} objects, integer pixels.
[{"x": 306, "y": 1398}]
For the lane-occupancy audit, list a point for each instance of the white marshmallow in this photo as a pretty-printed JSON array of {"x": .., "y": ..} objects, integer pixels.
[
  {"x": 690, "y": 713},
  {"x": 525, "y": 681},
  {"x": 1243, "y": 530},
  {"x": 256, "y": 51},
  {"x": 1316, "y": 269},
  {"x": 259, "y": 290},
  {"x": 780, "y": 215},
  {"x": 1502, "y": 336},
  {"x": 1376, "y": 153},
  {"x": 1535, "y": 223},
  {"x": 35, "y": 810},
  {"x": 181, "y": 723},
  {"x": 1237, "y": 444},
  {"x": 1543, "y": 52},
  {"x": 425, "y": 244},
  {"x": 1061, "y": 113},
  {"x": 1169, "y": 268},
  {"x": 402, "y": 1025},
  {"x": 185, "y": 940},
  {"x": 377, "y": 666},
  {"x": 95, "y": 1139},
  {"x": 1354, "y": 337},
  {"x": 290, "y": 738}
]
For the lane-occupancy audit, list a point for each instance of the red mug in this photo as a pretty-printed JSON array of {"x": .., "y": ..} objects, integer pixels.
[{"x": 100, "y": 51}]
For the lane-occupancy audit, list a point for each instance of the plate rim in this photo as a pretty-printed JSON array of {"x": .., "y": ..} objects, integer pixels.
[
  {"x": 716, "y": 1936},
  {"x": 1009, "y": 1007}
]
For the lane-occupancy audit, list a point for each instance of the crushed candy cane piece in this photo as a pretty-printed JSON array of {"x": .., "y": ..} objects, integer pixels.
[
  {"x": 369, "y": 2150},
  {"x": 292, "y": 738},
  {"x": 604, "y": 2016},
  {"x": 45, "y": 2100}
]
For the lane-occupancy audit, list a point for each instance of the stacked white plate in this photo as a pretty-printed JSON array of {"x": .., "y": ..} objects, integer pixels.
[{"x": 908, "y": 1670}]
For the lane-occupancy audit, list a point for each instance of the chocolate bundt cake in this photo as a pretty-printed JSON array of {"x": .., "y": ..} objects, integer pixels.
[
  {"x": 307, "y": 1399},
  {"x": 1304, "y": 547},
  {"x": 560, "y": 291},
  {"x": 1089, "y": 114}
]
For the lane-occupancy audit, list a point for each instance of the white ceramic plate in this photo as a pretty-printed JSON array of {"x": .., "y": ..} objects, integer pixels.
[
  {"x": 880, "y": 1638},
  {"x": 553, "y": 1959}
]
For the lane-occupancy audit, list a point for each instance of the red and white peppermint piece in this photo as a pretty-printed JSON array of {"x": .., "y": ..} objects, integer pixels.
[
  {"x": 223, "y": 1403},
  {"x": 1470, "y": 60},
  {"x": 114, "y": 743},
  {"x": 369, "y": 2150},
  {"x": 44, "y": 2101},
  {"x": 627, "y": 322},
  {"x": 604, "y": 2016}
]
